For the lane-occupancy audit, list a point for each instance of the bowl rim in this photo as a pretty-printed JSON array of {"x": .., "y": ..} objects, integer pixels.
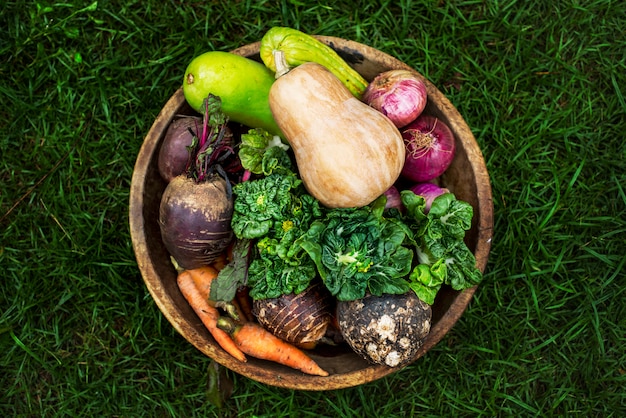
[{"x": 301, "y": 381}]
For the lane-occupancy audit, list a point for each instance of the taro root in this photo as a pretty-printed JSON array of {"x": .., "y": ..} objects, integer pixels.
[
  {"x": 386, "y": 329},
  {"x": 301, "y": 319}
]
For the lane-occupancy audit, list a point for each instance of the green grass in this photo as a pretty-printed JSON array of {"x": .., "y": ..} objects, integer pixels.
[{"x": 542, "y": 87}]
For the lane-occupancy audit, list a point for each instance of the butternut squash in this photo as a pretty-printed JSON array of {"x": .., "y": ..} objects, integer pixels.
[{"x": 347, "y": 153}]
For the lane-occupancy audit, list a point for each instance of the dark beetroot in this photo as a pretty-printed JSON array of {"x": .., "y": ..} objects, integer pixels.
[
  {"x": 197, "y": 206},
  {"x": 195, "y": 220},
  {"x": 174, "y": 155}
]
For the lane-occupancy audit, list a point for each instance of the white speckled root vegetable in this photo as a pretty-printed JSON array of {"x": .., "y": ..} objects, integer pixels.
[
  {"x": 388, "y": 329},
  {"x": 196, "y": 207}
]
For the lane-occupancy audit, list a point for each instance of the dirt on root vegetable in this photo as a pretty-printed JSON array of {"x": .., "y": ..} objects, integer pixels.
[{"x": 195, "y": 220}]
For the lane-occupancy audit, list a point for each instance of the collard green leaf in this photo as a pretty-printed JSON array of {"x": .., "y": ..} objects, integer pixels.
[
  {"x": 462, "y": 270},
  {"x": 358, "y": 250},
  {"x": 275, "y": 160},
  {"x": 455, "y": 216}
]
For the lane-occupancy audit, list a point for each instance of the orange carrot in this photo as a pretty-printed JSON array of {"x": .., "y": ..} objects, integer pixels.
[
  {"x": 195, "y": 286},
  {"x": 203, "y": 277},
  {"x": 258, "y": 342}
]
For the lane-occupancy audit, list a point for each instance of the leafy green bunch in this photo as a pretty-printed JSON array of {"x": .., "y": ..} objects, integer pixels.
[
  {"x": 274, "y": 210},
  {"x": 354, "y": 251}
]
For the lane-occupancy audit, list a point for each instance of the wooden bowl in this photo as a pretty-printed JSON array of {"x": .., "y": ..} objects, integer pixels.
[{"x": 467, "y": 178}]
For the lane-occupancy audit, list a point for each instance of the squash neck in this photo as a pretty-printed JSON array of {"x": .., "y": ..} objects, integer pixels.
[{"x": 280, "y": 62}]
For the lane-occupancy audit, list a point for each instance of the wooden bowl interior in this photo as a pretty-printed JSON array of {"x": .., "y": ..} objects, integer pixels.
[{"x": 467, "y": 178}]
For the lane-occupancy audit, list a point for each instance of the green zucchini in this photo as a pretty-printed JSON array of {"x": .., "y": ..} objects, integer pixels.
[{"x": 299, "y": 47}]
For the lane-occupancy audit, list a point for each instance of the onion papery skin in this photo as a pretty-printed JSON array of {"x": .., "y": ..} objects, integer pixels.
[
  {"x": 430, "y": 148},
  {"x": 398, "y": 94}
]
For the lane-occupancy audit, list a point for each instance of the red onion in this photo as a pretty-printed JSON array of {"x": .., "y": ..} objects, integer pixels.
[
  {"x": 398, "y": 94},
  {"x": 430, "y": 148},
  {"x": 429, "y": 192},
  {"x": 393, "y": 199}
]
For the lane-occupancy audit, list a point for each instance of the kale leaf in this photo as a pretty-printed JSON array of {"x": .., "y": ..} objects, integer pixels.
[
  {"x": 234, "y": 274},
  {"x": 260, "y": 204}
]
